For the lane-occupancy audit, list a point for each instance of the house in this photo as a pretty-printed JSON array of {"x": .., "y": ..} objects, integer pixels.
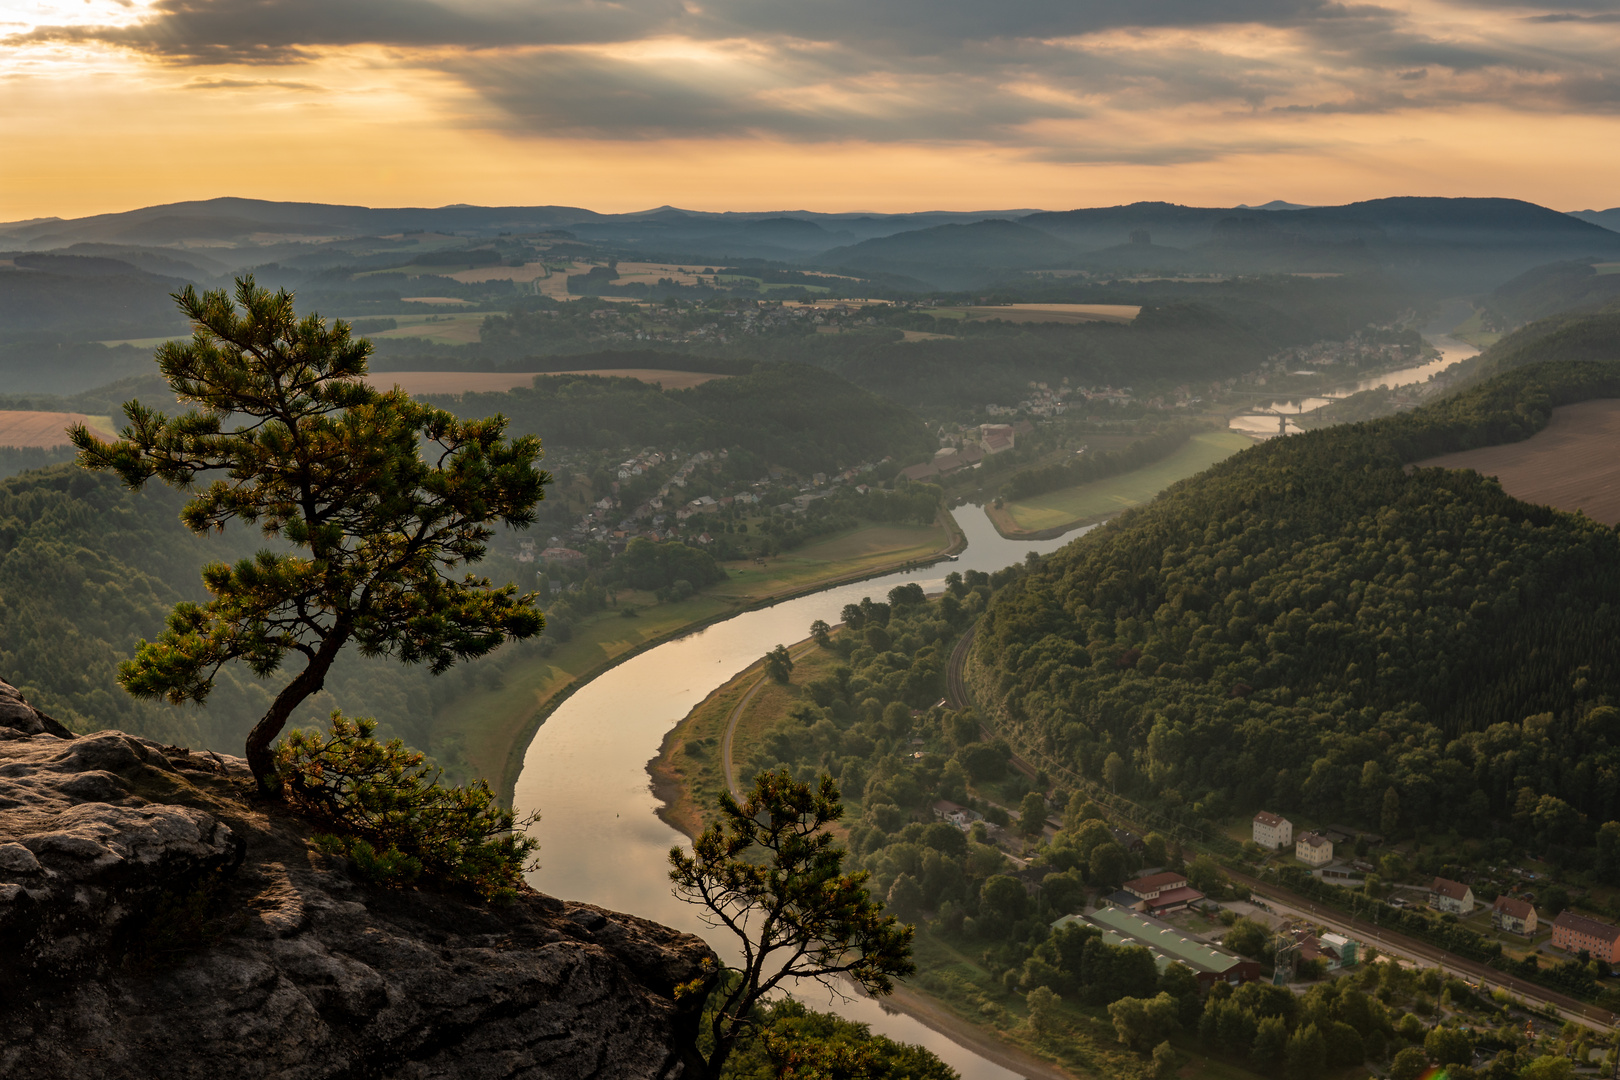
[
  {"x": 562, "y": 556},
  {"x": 1333, "y": 950},
  {"x": 1518, "y": 916},
  {"x": 916, "y": 473},
  {"x": 1344, "y": 949},
  {"x": 1164, "y": 892},
  {"x": 1273, "y": 831},
  {"x": 1313, "y": 849},
  {"x": 1128, "y": 840},
  {"x": 1452, "y": 896},
  {"x": 1121, "y": 899},
  {"x": 1576, "y": 933},
  {"x": 1149, "y": 888},
  {"x": 956, "y": 814}
]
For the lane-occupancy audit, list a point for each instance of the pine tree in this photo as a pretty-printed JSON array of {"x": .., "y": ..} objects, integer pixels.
[{"x": 287, "y": 435}]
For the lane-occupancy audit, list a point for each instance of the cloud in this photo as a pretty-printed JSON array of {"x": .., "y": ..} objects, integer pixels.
[
  {"x": 1567, "y": 16},
  {"x": 249, "y": 84},
  {"x": 1054, "y": 79}
]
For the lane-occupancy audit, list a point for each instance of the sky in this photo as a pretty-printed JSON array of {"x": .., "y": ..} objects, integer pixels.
[{"x": 833, "y": 105}]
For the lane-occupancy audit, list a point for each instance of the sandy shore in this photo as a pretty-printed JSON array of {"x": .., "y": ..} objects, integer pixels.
[{"x": 931, "y": 1014}]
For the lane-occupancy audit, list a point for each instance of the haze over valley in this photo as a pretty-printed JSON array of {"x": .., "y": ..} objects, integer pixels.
[{"x": 749, "y": 542}]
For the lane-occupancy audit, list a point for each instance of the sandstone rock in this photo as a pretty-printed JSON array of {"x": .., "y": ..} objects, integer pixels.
[
  {"x": 156, "y": 924},
  {"x": 18, "y": 715}
]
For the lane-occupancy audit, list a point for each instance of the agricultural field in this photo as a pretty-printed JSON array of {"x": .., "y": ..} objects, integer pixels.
[
  {"x": 463, "y": 382},
  {"x": 649, "y": 273},
  {"x": 450, "y": 382},
  {"x": 448, "y": 329},
  {"x": 47, "y": 429},
  {"x": 853, "y": 552},
  {"x": 1570, "y": 464},
  {"x": 1103, "y": 498},
  {"x": 1474, "y": 332},
  {"x": 668, "y": 380},
  {"x": 525, "y": 273},
  {"x": 1046, "y": 313}
]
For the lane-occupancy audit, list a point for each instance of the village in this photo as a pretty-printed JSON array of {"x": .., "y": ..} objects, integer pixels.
[
  {"x": 649, "y": 498},
  {"x": 1232, "y": 935}
]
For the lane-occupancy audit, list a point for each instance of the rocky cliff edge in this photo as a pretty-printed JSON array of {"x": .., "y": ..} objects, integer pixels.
[{"x": 154, "y": 923}]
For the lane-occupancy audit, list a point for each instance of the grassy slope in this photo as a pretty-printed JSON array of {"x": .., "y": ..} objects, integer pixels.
[
  {"x": 1101, "y": 498},
  {"x": 854, "y": 551},
  {"x": 496, "y": 723}
]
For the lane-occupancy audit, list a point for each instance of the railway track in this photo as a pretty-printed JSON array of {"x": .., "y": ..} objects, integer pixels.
[
  {"x": 957, "y": 698},
  {"x": 955, "y": 685}
]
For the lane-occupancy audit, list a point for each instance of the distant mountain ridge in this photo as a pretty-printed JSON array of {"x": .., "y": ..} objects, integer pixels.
[
  {"x": 1607, "y": 219},
  {"x": 1446, "y": 246}
]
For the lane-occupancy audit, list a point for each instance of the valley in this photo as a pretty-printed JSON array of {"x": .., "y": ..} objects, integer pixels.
[{"x": 1064, "y": 588}]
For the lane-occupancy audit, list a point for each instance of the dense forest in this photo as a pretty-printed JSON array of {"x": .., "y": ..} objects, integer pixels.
[
  {"x": 856, "y": 717},
  {"x": 1316, "y": 625},
  {"x": 1548, "y": 290},
  {"x": 788, "y": 414},
  {"x": 88, "y": 568}
]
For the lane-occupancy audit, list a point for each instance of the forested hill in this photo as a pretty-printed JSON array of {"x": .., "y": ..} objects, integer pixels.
[
  {"x": 793, "y": 415},
  {"x": 1311, "y": 625},
  {"x": 88, "y": 568}
]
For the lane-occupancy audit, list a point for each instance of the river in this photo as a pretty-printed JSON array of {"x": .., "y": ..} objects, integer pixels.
[
  {"x": 1452, "y": 351},
  {"x": 586, "y": 770}
]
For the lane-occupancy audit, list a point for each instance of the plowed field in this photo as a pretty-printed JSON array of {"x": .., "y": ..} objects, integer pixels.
[
  {"x": 461, "y": 382},
  {"x": 19, "y": 428},
  {"x": 1573, "y": 463}
]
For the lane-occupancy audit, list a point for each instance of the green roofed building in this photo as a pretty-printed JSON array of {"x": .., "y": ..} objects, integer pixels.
[{"x": 1169, "y": 945}]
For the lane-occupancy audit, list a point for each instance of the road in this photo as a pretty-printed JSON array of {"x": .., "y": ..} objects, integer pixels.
[
  {"x": 1390, "y": 942},
  {"x": 1385, "y": 939}
]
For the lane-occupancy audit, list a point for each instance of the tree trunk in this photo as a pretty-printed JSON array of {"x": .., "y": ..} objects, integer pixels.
[{"x": 309, "y": 681}]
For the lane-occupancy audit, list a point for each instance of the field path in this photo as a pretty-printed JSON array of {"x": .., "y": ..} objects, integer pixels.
[{"x": 737, "y": 715}]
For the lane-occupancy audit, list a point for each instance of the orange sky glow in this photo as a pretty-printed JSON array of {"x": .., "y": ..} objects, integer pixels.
[{"x": 107, "y": 107}]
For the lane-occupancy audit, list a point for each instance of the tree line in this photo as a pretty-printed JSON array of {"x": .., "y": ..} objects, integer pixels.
[{"x": 789, "y": 414}]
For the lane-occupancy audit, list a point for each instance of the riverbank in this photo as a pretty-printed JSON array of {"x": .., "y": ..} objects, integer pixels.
[
  {"x": 1043, "y": 517},
  {"x": 694, "y": 762},
  {"x": 586, "y": 770},
  {"x": 688, "y": 774},
  {"x": 496, "y": 723}
]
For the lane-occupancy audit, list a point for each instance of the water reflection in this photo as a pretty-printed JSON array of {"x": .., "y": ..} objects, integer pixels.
[
  {"x": 601, "y": 841},
  {"x": 1276, "y": 416}
]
